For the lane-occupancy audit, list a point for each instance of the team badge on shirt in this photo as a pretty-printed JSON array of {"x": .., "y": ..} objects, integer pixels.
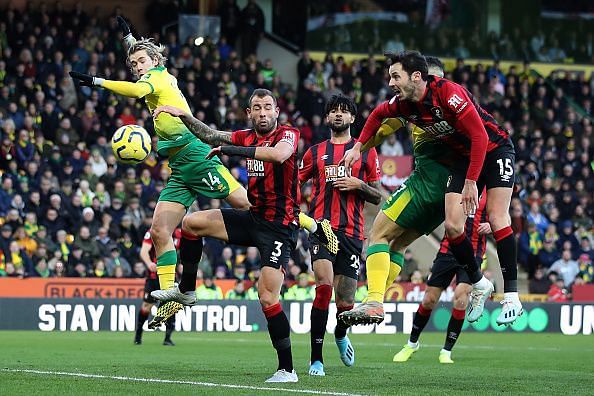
[{"x": 437, "y": 112}]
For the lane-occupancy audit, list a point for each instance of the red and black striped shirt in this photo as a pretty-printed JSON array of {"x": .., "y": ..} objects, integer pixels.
[
  {"x": 444, "y": 113},
  {"x": 479, "y": 242},
  {"x": 153, "y": 253},
  {"x": 344, "y": 209},
  {"x": 273, "y": 188}
]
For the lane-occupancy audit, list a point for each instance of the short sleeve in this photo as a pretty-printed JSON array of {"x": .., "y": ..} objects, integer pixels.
[
  {"x": 290, "y": 136},
  {"x": 306, "y": 167},
  {"x": 238, "y": 138}
]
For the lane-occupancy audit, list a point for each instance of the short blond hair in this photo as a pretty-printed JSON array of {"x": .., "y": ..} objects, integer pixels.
[{"x": 153, "y": 50}]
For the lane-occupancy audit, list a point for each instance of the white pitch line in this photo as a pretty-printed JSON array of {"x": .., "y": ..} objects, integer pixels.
[{"x": 178, "y": 382}]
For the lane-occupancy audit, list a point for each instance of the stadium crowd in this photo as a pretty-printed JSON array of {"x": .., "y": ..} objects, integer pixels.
[{"x": 69, "y": 209}]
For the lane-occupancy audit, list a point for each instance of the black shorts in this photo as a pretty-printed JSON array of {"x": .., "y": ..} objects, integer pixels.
[
  {"x": 444, "y": 268},
  {"x": 274, "y": 241},
  {"x": 348, "y": 259},
  {"x": 150, "y": 286},
  {"x": 498, "y": 171}
]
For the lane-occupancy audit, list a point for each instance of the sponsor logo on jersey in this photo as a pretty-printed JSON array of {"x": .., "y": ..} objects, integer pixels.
[
  {"x": 455, "y": 101},
  {"x": 333, "y": 172},
  {"x": 439, "y": 129},
  {"x": 255, "y": 168}
]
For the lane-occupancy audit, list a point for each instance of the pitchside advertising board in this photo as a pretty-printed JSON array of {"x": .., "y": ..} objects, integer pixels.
[{"x": 74, "y": 314}]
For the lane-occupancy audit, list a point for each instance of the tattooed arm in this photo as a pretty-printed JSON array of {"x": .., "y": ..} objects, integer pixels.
[
  {"x": 370, "y": 192},
  {"x": 197, "y": 127}
]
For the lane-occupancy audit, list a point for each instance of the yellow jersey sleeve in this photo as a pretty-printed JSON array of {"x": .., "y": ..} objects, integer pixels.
[
  {"x": 132, "y": 90},
  {"x": 388, "y": 127}
]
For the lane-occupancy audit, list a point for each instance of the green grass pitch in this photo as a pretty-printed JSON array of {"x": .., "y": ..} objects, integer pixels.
[{"x": 487, "y": 363}]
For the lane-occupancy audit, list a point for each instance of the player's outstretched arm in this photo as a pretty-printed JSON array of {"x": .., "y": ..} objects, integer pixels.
[
  {"x": 197, "y": 127},
  {"x": 279, "y": 153},
  {"x": 125, "y": 88},
  {"x": 129, "y": 39}
]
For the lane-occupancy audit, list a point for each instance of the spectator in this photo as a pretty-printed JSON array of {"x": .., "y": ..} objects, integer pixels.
[
  {"x": 208, "y": 290},
  {"x": 539, "y": 284},
  {"x": 252, "y": 292},
  {"x": 238, "y": 292},
  {"x": 566, "y": 268},
  {"x": 586, "y": 274},
  {"x": 25, "y": 242},
  {"x": 115, "y": 261},
  {"x": 41, "y": 269},
  {"x": 567, "y": 236},
  {"x": 391, "y": 146},
  {"x": 530, "y": 245},
  {"x": 5, "y": 239},
  {"x": 252, "y": 19},
  {"x": 548, "y": 254},
  {"x": 301, "y": 291},
  {"x": 87, "y": 244},
  {"x": 557, "y": 291},
  {"x": 534, "y": 216},
  {"x": 20, "y": 261},
  {"x": 251, "y": 260}
]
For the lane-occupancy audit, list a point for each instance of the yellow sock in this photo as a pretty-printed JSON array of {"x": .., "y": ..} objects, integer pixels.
[
  {"x": 378, "y": 269},
  {"x": 396, "y": 263},
  {"x": 307, "y": 222},
  {"x": 166, "y": 264}
]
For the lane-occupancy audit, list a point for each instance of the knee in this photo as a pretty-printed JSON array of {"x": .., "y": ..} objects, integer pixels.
[
  {"x": 429, "y": 301},
  {"x": 159, "y": 233},
  {"x": 345, "y": 301},
  {"x": 453, "y": 228},
  {"x": 323, "y": 280},
  {"x": 187, "y": 225},
  {"x": 460, "y": 302},
  {"x": 192, "y": 224},
  {"x": 267, "y": 299},
  {"x": 499, "y": 220}
]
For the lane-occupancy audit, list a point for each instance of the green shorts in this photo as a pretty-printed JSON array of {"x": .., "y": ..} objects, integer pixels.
[
  {"x": 192, "y": 174},
  {"x": 419, "y": 203}
]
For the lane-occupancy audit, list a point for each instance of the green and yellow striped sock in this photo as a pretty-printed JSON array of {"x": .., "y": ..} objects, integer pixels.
[{"x": 166, "y": 264}]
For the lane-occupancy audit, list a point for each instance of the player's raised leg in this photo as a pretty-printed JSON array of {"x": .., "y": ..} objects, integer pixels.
[
  {"x": 498, "y": 202},
  {"x": 166, "y": 217},
  {"x": 322, "y": 230},
  {"x": 378, "y": 270}
]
